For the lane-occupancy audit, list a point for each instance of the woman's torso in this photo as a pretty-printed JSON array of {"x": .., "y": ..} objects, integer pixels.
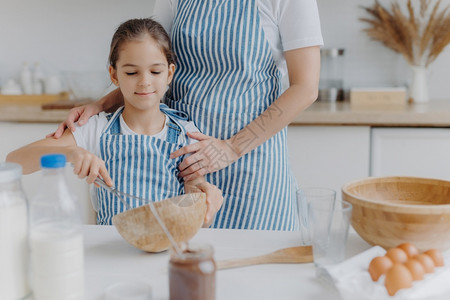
[
  {"x": 287, "y": 24},
  {"x": 226, "y": 77}
]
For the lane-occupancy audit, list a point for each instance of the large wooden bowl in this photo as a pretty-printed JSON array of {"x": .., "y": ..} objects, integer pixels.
[
  {"x": 388, "y": 211},
  {"x": 183, "y": 216}
]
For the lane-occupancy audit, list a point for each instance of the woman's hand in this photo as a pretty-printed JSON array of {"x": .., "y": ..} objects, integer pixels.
[
  {"x": 86, "y": 164},
  {"x": 109, "y": 102},
  {"x": 80, "y": 114},
  {"x": 214, "y": 198},
  {"x": 207, "y": 155}
]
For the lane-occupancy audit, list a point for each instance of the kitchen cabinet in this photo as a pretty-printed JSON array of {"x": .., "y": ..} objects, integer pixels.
[
  {"x": 421, "y": 152},
  {"x": 15, "y": 135},
  {"x": 329, "y": 156}
]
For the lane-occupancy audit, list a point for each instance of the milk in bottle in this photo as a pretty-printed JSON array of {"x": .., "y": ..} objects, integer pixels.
[
  {"x": 56, "y": 241},
  {"x": 13, "y": 234}
]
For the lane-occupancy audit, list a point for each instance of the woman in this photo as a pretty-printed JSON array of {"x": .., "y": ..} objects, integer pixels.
[{"x": 232, "y": 57}]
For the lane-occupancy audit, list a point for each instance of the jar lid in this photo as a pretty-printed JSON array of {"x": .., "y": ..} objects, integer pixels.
[
  {"x": 52, "y": 161},
  {"x": 10, "y": 171},
  {"x": 193, "y": 252}
]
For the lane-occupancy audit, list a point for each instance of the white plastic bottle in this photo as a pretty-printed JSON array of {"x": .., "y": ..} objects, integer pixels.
[
  {"x": 26, "y": 79},
  {"x": 13, "y": 234},
  {"x": 56, "y": 241}
]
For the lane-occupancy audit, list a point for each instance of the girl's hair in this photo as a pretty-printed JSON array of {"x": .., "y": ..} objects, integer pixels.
[{"x": 136, "y": 29}]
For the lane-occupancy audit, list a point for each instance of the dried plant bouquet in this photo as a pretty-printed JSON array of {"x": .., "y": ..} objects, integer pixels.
[{"x": 420, "y": 34}]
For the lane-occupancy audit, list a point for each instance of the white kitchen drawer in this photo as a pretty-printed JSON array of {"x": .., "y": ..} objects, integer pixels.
[
  {"x": 329, "y": 156},
  {"x": 421, "y": 152}
]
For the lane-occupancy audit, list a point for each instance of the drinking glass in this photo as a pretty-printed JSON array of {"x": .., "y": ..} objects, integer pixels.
[
  {"x": 329, "y": 222},
  {"x": 305, "y": 196}
]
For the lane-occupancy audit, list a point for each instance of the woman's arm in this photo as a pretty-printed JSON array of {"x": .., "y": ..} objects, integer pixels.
[
  {"x": 210, "y": 154},
  {"x": 304, "y": 70},
  {"x": 85, "y": 163},
  {"x": 109, "y": 103}
]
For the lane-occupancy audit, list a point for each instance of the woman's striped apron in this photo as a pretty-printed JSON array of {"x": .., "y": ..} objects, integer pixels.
[
  {"x": 225, "y": 78},
  {"x": 139, "y": 164}
]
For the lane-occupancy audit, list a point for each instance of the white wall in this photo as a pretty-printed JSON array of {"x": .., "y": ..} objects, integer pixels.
[
  {"x": 368, "y": 62},
  {"x": 61, "y": 34},
  {"x": 75, "y": 35}
]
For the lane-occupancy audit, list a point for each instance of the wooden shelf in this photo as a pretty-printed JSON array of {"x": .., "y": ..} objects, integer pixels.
[{"x": 27, "y": 100}]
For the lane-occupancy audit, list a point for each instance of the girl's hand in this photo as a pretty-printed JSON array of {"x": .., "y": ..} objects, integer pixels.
[
  {"x": 207, "y": 156},
  {"x": 80, "y": 114},
  {"x": 86, "y": 164},
  {"x": 214, "y": 199}
]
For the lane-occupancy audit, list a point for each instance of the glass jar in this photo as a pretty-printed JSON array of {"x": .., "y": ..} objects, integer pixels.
[
  {"x": 192, "y": 276},
  {"x": 331, "y": 86},
  {"x": 13, "y": 234}
]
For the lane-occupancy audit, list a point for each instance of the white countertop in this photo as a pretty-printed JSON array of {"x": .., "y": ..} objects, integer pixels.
[{"x": 109, "y": 259}]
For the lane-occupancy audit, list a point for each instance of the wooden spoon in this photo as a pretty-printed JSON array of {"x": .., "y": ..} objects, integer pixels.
[{"x": 292, "y": 255}]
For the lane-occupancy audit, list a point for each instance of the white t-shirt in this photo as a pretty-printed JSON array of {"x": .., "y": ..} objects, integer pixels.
[
  {"x": 287, "y": 24},
  {"x": 88, "y": 135}
]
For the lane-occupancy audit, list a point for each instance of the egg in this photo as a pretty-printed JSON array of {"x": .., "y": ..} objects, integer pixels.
[
  {"x": 436, "y": 256},
  {"x": 397, "y": 255},
  {"x": 379, "y": 266},
  {"x": 426, "y": 262},
  {"x": 398, "y": 277},
  {"x": 415, "y": 268},
  {"x": 409, "y": 249}
]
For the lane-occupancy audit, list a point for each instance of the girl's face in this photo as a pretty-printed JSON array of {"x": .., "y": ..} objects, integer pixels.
[{"x": 142, "y": 73}]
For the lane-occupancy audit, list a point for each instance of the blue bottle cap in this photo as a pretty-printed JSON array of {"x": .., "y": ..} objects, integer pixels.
[{"x": 53, "y": 161}]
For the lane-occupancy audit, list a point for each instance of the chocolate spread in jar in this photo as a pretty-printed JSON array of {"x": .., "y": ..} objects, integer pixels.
[{"x": 192, "y": 276}]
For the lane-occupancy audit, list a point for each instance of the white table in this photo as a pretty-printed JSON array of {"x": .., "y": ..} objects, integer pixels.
[{"x": 110, "y": 259}]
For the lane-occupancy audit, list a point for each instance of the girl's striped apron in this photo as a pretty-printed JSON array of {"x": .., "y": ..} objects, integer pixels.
[
  {"x": 225, "y": 78},
  {"x": 139, "y": 164}
]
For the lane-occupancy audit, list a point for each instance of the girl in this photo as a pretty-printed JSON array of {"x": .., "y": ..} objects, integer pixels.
[{"x": 133, "y": 145}]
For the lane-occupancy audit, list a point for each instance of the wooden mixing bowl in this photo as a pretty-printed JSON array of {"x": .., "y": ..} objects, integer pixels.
[
  {"x": 388, "y": 211},
  {"x": 183, "y": 216}
]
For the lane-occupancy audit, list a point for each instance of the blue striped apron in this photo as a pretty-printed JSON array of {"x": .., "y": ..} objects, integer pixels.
[
  {"x": 139, "y": 164},
  {"x": 225, "y": 78}
]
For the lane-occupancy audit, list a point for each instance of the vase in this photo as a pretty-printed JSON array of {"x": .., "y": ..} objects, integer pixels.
[{"x": 418, "y": 89}]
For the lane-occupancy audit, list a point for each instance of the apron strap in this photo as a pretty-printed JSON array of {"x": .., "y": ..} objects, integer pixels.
[
  {"x": 113, "y": 125},
  {"x": 173, "y": 132},
  {"x": 109, "y": 116},
  {"x": 176, "y": 114},
  {"x": 174, "y": 127}
]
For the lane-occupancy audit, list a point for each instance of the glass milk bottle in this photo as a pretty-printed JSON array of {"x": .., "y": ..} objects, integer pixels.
[
  {"x": 13, "y": 234},
  {"x": 56, "y": 241}
]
